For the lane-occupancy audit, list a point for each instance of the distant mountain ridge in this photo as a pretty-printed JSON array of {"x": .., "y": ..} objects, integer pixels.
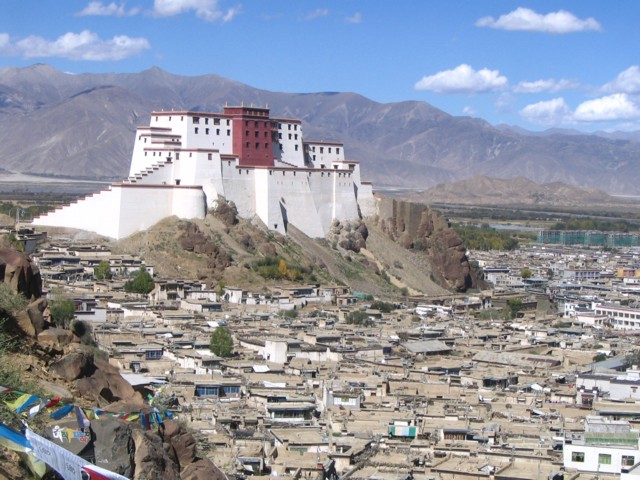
[
  {"x": 54, "y": 123},
  {"x": 519, "y": 191}
]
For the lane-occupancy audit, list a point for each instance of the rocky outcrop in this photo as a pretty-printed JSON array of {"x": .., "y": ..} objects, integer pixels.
[
  {"x": 417, "y": 227},
  {"x": 21, "y": 273},
  {"x": 194, "y": 240},
  {"x": 349, "y": 234},
  {"x": 114, "y": 445}
]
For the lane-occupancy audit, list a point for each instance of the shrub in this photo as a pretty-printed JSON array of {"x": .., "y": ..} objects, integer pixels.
[
  {"x": 359, "y": 317},
  {"x": 61, "y": 310}
]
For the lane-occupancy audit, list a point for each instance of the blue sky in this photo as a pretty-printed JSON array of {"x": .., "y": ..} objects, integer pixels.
[{"x": 536, "y": 64}]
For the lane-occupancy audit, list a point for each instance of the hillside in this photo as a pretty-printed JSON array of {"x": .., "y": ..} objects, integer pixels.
[
  {"x": 86, "y": 126},
  {"x": 384, "y": 269}
]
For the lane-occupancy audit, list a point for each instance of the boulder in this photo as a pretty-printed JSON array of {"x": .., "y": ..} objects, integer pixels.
[
  {"x": 21, "y": 273},
  {"x": 150, "y": 459},
  {"x": 105, "y": 385},
  {"x": 184, "y": 445},
  {"x": 202, "y": 470},
  {"x": 74, "y": 365},
  {"x": 35, "y": 310},
  {"x": 56, "y": 338},
  {"x": 113, "y": 445}
]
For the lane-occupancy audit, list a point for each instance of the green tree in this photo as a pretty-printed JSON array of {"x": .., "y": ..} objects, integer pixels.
[
  {"x": 102, "y": 271},
  {"x": 221, "y": 342},
  {"x": 221, "y": 289},
  {"x": 142, "y": 283},
  {"x": 61, "y": 310},
  {"x": 514, "y": 305},
  {"x": 526, "y": 272}
]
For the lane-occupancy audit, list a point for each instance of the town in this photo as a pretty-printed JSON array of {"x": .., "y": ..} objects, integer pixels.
[{"x": 535, "y": 376}]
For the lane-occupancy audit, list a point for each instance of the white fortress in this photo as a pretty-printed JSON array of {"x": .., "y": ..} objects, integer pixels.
[{"x": 184, "y": 161}]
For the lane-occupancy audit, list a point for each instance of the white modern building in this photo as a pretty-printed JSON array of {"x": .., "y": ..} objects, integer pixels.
[
  {"x": 183, "y": 162},
  {"x": 619, "y": 318},
  {"x": 606, "y": 446}
]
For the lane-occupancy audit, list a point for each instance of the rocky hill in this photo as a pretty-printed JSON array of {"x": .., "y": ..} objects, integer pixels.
[
  {"x": 85, "y": 128},
  {"x": 368, "y": 256}
]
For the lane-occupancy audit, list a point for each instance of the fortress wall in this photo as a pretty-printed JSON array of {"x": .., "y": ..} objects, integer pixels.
[
  {"x": 322, "y": 188},
  {"x": 98, "y": 213},
  {"x": 239, "y": 187},
  {"x": 367, "y": 202},
  {"x": 261, "y": 199},
  {"x": 142, "y": 206},
  {"x": 346, "y": 207},
  {"x": 188, "y": 203},
  {"x": 292, "y": 201}
]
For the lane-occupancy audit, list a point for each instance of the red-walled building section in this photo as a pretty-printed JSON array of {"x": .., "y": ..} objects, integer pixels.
[{"x": 252, "y": 135}]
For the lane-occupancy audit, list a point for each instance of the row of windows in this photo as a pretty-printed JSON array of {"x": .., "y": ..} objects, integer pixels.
[
  {"x": 216, "y": 391},
  {"x": 255, "y": 123},
  {"x": 295, "y": 126},
  {"x": 605, "y": 459},
  {"x": 216, "y": 121},
  {"x": 257, "y": 133},
  {"x": 248, "y": 145},
  {"x": 291, "y": 137},
  {"x": 206, "y": 131},
  {"x": 634, "y": 316},
  {"x": 313, "y": 149},
  {"x": 153, "y": 354},
  {"x": 196, "y": 120}
]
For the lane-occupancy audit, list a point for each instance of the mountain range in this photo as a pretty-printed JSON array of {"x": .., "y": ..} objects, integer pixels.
[
  {"x": 82, "y": 126},
  {"x": 518, "y": 192}
]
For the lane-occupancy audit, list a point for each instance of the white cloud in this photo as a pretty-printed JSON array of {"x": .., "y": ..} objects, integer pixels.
[
  {"x": 469, "y": 111},
  {"x": 317, "y": 13},
  {"x": 549, "y": 85},
  {"x": 5, "y": 41},
  {"x": 207, "y": 10},
  {"x": 463, "y": 79},
  {"x": 613, "y": 107},
  {"x": 626, "y": 82},
  {"x": 85, "y": 45},
  {"x": 527, "y": 20},
  {"x": 550, "y": 112},
  {"x": 355, "y": 18},
  {"x": 111, "y": 10}
]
